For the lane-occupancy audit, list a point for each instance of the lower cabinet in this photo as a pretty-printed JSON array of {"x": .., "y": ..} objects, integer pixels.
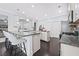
[
  {"x": 68, "y": 50},
  {"x": 32, "y": 44},
  {"x": 35, "y": 43},
  {"x": 45, "y": 36}
]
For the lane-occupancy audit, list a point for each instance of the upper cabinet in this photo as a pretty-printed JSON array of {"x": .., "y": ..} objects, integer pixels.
[{"x": 73, "y": 9}]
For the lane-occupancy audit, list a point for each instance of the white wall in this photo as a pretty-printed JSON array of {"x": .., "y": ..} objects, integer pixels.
[
  {"x": 53, "y": 26},
  {"x": 65, "y": 27}
]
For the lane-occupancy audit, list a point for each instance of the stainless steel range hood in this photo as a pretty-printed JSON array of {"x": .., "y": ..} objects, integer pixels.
[{"x": 71, "y": 15}]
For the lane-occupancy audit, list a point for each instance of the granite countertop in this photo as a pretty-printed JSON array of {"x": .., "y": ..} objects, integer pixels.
[
  {"x": 24, "y": 34},
  {"x": 70, "y": 40}
]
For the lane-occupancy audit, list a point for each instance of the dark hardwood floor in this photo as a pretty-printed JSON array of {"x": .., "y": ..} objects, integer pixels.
[
  {"x": 47, "y": 48},
  {"x": 3, "y": 51}
]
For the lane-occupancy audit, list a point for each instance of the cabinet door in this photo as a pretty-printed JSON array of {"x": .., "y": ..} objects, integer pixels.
[
  {"x": 36, "y": 43},
  {"x": 44, "y": 36},
  {"x": 68, "y": 50}
]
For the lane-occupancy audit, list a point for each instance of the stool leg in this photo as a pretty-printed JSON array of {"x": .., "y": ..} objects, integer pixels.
[
  {"x": 11, "y": 50},
  {"x": 20, "y": 45},
  {"x": 24, "y": 46}
]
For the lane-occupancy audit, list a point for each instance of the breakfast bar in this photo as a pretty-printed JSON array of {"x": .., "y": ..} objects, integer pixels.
[{"x": 32, "y": 40}]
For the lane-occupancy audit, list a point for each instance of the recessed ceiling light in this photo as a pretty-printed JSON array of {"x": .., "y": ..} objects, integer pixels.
[
  {"x": 17, "y": 22},
  {"x": 45, "y": 14},
  {"x": 60, "y": 11},
  {"x": 23, "y": 12},
  {"x": 18, "y": 9},
  {"x": 59, "y": 6},
  {"x": 33, "y": 6},
  {"x": 27, "y": 19}
]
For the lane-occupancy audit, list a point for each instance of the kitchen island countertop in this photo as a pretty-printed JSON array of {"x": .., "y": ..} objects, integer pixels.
[
  {"x": 70, "y": 40},
  {"x": 24, "y": 34}
]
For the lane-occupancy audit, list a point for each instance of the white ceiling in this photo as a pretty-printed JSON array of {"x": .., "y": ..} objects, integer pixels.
[{"x": 36, "y": 10}]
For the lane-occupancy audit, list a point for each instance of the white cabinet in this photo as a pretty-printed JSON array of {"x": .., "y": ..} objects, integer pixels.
[
  {"x": 35, "y": 43},
  {"x": 32, "y": 44},
  {"x": 45, "y": 36},
  {"x": 28, "y": 45},
  {"x": 68, "y": 50}
]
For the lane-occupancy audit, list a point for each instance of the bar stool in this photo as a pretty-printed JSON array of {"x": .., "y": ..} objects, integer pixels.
[{"x": 15, "y": 41}]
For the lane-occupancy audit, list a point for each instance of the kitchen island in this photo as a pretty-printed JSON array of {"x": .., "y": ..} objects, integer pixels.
[
  {"x": 33, "y": 40},
  {"x": 69, "y": 45}
]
